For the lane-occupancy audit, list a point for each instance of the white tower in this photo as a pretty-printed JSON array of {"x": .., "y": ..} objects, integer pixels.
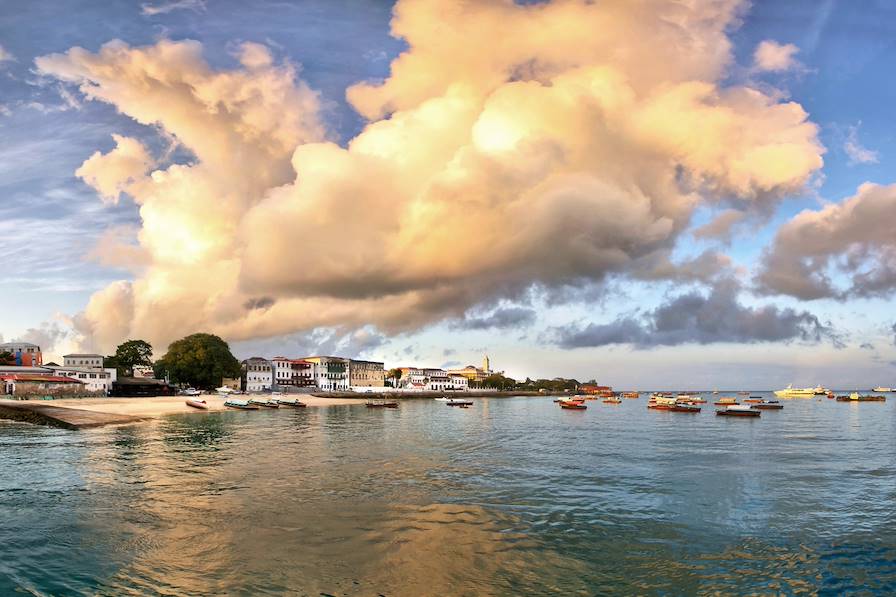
[{"x": 485, "y": 365}]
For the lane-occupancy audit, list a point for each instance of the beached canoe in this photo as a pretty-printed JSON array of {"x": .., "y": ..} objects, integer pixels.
[
  {"x": 240, "y": 405},
  {"x": 200, "y": 404}
]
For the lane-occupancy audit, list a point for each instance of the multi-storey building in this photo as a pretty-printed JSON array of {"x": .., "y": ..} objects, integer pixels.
[
  {"x": 89, "y": 361},
  {"x": 331, "y": 373},
  {"x": 94, "y": 379},
  {"x": 258, "y": 375},
  {"x": 292, "y": 372},
  {"x": 25, "y": 354},
  {"x": 368, "y": 374}
]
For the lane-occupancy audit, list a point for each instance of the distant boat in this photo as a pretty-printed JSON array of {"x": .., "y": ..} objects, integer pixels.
[
  {"x": 821, "y": 391},
  {"x": 882, "y": 389},
  {"x": 459, "y": 402},
  {"x": 855, "y": 397},
  {"x": 240, "y": 404},
  {"x": 200, "y": 404},
  {"x": 613, "y": 400},
  {"x": 683, "y": 408},
  {"x": 767, "y": 405},
  {"x": 573, "y": 405},
  {"x": 224, "y": 391},
  {"x": 726, "y": 402},
  {"x": 631, "y": 395},
  {"x": 792, "y": 392},
  {"x": 192, "y": 392},
  {"x": 738, "y": 410}
]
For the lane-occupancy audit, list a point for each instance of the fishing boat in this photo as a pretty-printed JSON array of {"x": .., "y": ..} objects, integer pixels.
[
  {"x": 631, "y": 394},
  {"x": 265, "y": 403},
  {"x": 738, "y": 410},
  {"x": 613, "y": 400},
  {"x": 855, "y": 397},
  {"x": 753, "y": 400},
  {"x": 200, "y": 404},
  {"x": 792, "y": 392},
  {"x": 291, "y": 403},
  {"x": 382, "y": 404},
  {"x": 767, "y": 405},
  {"x": 882, "y": 389},
  {"x": 683, "y": 408},
  {"x": 662, "y": 403},
  {"x": 573, "y": 405},
  {"x": 459, "y": 402},
  {"x": 241, "y": 405},
  {"x": 727, "y": 401}
]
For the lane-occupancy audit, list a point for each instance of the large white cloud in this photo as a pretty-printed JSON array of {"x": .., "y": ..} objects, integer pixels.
[
  {"x": 844, "y": 250},
  {"x": 511, "y": 145}
]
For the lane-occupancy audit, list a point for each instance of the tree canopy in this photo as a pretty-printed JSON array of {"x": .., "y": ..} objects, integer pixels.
[
  {"x": 200, "y": 360},
  {"x": 7, "y": 358},
  {"x": 129, "y": 354}
]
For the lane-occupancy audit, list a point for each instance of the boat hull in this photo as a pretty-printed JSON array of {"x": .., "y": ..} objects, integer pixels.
[
  {"x": 200, "y": 404},
  {"x": 738, "y": 413}
]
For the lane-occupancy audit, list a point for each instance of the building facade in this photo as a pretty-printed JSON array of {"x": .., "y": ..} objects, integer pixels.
[
  {"x": 288, "y": 373},
  {"x": 258, "y": 375},
  {"x": 25, "y": 354},
  {"x": 89, "y": 361},
  {"x": 367, "y": 374},
  {"x": 94, "y": 380},
  {"x": 331, "y": 373},
  {"x": 475, "y": 374}
]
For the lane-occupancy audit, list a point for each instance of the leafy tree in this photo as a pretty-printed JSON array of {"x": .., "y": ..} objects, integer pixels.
[
  {"x": 7, "y": 358},
  {"x": 110, "y": 362},
  {"x": 131, "y": 353},
  {"x": 498, "y": 381},
  {"x": 201, "y": 360},
  {"x": 395, "y": 375}
]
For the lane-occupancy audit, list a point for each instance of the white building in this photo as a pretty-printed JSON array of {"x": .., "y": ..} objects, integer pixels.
[
  {"x": 331, "y": 373},
  {"x": 259, "y": 374},
  {"x": 88, "y": 361},
  {"x": 432, "y": 380},
  {"x": 94, "y": 380}
]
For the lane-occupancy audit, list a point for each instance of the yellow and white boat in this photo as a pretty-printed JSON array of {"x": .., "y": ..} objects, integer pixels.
[{"x": 792, "y": 392}]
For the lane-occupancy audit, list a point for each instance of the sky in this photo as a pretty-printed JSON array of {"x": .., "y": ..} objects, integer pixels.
[{"x": 649, "y": 193}]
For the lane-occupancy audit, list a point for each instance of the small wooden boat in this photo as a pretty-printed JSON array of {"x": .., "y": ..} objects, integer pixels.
[
  {"x": 683, "y": 408},
  {"x": 753, "y": 400},
  {"x": 738, "y": 410},
  {"x": 631, "y": 395},
  {"x": 573, "y": 405},
  {"x": 855, "y": 397},
  {"x": 200, "y": 404},
  {"x": 265, "y": 403},
  {"x": 240, "y": 404},
  {"x": 459, "y": 402},
  {"x": 612, "y": 401},
  {"x": 290, "y": 403},
  {"x": 768, "y": 405},
  {"x": 726, "y": 402}
]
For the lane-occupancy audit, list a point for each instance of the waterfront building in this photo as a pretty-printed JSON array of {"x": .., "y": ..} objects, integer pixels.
[
  {"x": 94, "y": 380},
  {"x": 234, "y": 383},
  {"x": 30, "y": 385},
  {"x": 258, "y": 375},
  {"x": 143, "y": 371},
  {"x": 331, "y": 373},
  {"x": 89, "y": 361},
  {"x": 431, "y": 380},
  {"x": 476, "y": 374},
  {"x": 25, "y": 354},
  {"x": 367, "y": 374},
  {"x": 292, "y": 373}
]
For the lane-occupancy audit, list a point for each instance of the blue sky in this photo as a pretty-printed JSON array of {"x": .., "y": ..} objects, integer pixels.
[{"x": 50, "y": 220}]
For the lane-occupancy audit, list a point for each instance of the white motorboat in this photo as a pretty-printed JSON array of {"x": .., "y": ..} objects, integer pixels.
[
  {"x": 792, "y": 392},
  {"x": 882, "y": 389}
]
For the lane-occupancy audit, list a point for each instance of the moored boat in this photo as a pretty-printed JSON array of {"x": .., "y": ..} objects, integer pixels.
[
  {"x": 855, "y": 397},
  {"x": 240, "y": 404},
  {"x": 265, "y": 403},
  {"x": 613, "y": 400},
  {"x": 727, "y": 401},
  {"x": 792, "y": 392},
  {"x": 459, "y": 402},
  {"x": 573, "y": 405},
  {"x": 631, "y": 394},
  {"x": 767, "y": 405},
  {"x": 753, "y": 400},
  {"x": 738, "y": 410},
  {"x": 200, "y": 404},
  {"x": 291, "y": 403},
  {"x": 684, "y": 408},
  {"x": 882, "y": 389}
]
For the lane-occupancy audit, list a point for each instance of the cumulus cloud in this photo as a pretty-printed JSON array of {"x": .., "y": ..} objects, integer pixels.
[
  {"x": 700, "y": 319},
  {"x": 857, "y": 153},
  {"x": 841, "y": 251},
  {"x": 559, "y": 156},
  {"x": 772, "y": 56},
  {"x": 47, "y": 336},
  {"x": 115, "y": 172},
  {"x": 722, "y": 226},
  {"x": 148, "y": 9}
]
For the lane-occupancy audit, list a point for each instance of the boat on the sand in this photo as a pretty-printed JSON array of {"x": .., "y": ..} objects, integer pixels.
[
  {"x": 292, "y": 403},
  {"x": 240, "y": 405},
  {"x": 200, "y": 404},
  {"x": 265, "y": 403}
]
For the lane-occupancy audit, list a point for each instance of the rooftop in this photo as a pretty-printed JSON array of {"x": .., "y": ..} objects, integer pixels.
[{"x": 80, "y": 356}]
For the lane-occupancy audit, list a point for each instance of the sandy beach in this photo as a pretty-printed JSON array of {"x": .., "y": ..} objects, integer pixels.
[{"x": 169, "y": 405}]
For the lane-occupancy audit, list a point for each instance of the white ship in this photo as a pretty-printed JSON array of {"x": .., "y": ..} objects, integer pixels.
[
  {"x": 792, "y": 392},
  {"x": 882, "y": 389}
]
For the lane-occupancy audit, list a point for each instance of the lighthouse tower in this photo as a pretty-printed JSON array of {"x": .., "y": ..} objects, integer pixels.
[{"x": 485, "y": 365}]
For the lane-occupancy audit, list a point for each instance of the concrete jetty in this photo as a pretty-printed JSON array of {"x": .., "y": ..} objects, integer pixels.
[{"x": 57, "y": 416}]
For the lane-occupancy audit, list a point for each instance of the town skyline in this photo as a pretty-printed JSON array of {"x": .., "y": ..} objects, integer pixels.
[{"x": 299, "y": 180}]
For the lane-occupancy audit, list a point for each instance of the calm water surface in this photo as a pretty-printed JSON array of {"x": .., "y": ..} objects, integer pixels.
[{"x": 510, "y": 497}]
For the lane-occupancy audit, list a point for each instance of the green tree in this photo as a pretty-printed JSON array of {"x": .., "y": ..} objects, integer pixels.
[
  {"x": 394, "y": 375},
  {"x": 499, "y": 382},
  {"x": 201, "y": 360},
  {"x": 132, "y": 353},
  {"x": 7, "y": 358}
]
